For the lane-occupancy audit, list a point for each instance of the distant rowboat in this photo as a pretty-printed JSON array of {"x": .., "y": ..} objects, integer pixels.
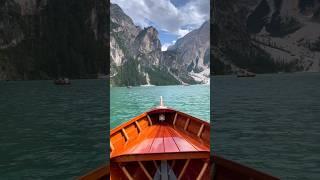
[
  {"x": 246, "y": 74},
  {"x": 164, "y": 143},
  {"x": 64, "y": 81}
]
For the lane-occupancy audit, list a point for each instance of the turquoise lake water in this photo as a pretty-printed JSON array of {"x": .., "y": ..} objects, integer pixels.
[
  {"x": 127, "y": 103},
  {"x": 270, "y": 122},
  {"x": 52, "y": 132},
  {"x": 60, "y": 132}
]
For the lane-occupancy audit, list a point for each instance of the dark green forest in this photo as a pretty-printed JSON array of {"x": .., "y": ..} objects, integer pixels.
[{"x": 61, "y": 41}]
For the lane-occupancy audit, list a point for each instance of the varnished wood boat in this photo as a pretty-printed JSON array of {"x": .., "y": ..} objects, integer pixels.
[{"x": 164, "y": 143}]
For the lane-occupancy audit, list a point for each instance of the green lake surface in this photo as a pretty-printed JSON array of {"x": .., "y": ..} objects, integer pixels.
[
  {"x": 127, "y": 103},
  {"x": 270, "y": 122},
  {"x": 61, "y": 132},
  {"x": 52, "y": 132}
]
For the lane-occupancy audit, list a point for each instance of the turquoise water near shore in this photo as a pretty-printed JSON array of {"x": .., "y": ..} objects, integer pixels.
[
  {"x": 127, "y": 103},
  {"x": 52, "y": 132},
  {"x": 270, "y": 122}
]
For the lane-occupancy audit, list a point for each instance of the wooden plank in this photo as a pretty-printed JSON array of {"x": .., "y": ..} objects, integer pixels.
[
  {"x": 131, "y": 145},
  {"x": 132, "y": 131},
  {"x": 186, "y": 125},
  {"x": 145, "y": 170},
  {"x": 125, "y": 171},
  {"x": 157, "y": 145},
  {"x": 184, "y": 168},
  {"x": 145, "y": 145},
  {"x": 181, "y": 121},
  {"x": 168, "y": 142},
  {"x": 149, "y": 119},
  {"x": 138, "y": 126},
  {"x": 144, "y": 140},
  {"x": 181, "y": 142},
  {"x": 125, "y": 134},
  {"x": 203, "y": 170},
  {"x": 195, "y": 141},
  {"x": 200, "y": 130},
  {"x": 193, "y": 127},
  {"x": 117, "y": 139},
  {"x": 144, "y": 123},
  {"x": 175, "y": 119},
  {"x": 124, "y": 125}
]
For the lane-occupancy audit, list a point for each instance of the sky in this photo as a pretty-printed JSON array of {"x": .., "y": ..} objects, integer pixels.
[{"x": 172, "y": 18}]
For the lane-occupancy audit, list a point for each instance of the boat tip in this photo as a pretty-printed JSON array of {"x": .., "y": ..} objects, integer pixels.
[{"x": 161, "y": 103}]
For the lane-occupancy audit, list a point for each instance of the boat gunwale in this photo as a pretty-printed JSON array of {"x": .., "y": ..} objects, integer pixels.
[
  {"x": 138, "y": 117},
  {"x": 125, "y": 124},
  {"x": 202, "y": 154}
]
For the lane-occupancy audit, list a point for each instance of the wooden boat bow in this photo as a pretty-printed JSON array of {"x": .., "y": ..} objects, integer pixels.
[
  {"x": 164, "y": 143},
  {"x": 160, "y": 137}
]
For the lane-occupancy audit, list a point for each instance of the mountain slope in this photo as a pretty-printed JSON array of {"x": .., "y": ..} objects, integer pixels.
[
  {"x": 136, "y": 56},
  {"x": 265, "y": 36},
  {"x": 189, "y": 57},
  {"x": 137, "y": 59},
  {"x": 46, "y": 39}
]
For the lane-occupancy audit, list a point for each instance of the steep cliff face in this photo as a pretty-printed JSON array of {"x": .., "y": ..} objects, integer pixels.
[
  {"x": 266, "y": 36},
  {"x": 135, "y": 53},
  {"x": 148, "y": 47},
  {"x": 50, "y": 38},
  {"x": 189, "y": 57},
  {"x": 122, "y": 36},
  {"x": 137, "y": 57},
  {"x": 10, "y": 35}
]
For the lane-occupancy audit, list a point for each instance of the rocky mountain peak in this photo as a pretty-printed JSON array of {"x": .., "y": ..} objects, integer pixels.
[
  {"x": 191, "y": 54},
  {"x": 136, "y": 56},
  {"x": 118, "y": 16},
  {"x": 147, "y": 41}
]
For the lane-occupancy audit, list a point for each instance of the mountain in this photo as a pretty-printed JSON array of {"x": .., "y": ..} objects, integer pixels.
[
  {"x": 264, "y": 36},
  {"x": 135, "y": 53},
  {"x": 189, "y": 57},
  {"x": 46, "y": 39},
  {"x": 137, "y": 59}
]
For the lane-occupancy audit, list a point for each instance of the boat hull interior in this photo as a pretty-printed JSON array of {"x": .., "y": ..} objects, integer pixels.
[
  {"x": 161, "y": 137},
  {"x": 167, "y": 144}
]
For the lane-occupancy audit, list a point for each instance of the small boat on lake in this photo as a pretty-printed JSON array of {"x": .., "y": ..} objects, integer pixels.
[
  {"x": 164, "y": 143},
  {"x": 62, "y": 81},
  {"x": 246, "y": 74}
]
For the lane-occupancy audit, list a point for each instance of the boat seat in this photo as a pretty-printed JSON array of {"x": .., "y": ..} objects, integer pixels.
[{"x": 161, "y": 142}]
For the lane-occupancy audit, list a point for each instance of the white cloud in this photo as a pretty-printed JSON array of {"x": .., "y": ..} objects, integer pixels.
[
  {"x": 165, "y": 16},
  {"x": 165, "y": 46},
  {"x": 182, "y": 32}
]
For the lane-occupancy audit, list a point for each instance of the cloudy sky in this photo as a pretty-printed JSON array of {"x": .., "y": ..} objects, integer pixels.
[{"x": 172, "y": 18}]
